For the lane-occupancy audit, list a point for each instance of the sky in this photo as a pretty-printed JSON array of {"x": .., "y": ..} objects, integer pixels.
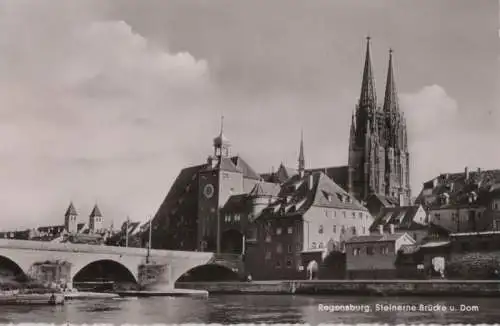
[{"x": 106, "y": 101}]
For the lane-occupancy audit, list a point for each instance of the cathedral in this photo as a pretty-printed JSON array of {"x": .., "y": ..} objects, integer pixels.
[
  {"x": 379, "y": 162},
  {"x": 219, "y": 205}
]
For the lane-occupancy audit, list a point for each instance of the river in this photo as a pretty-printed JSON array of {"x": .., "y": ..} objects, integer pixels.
[{"x": 258, "y": 309}]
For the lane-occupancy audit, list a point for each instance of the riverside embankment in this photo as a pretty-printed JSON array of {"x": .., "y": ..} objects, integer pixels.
[{"x": 351, "y": 287}]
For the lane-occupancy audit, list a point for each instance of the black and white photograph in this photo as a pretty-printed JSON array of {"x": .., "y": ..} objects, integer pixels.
[{"x": 249, "y": 162}]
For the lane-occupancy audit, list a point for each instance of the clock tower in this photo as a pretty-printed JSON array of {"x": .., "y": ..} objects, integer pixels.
[{"x": 217, "y": 182}]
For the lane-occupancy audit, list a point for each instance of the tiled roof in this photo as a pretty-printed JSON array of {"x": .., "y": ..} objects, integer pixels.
[
  {"x": 181, "y": 200},
  {"x": 245, "y": 168},
  {"x": 71, "y": 210},
  {"x": 226, "y": 164},
  {"x": 376, "y": 237},
  {"x": 400, "y": 217},
  {"x": 475, "y": 190},
  {"x": 329, "y": 194},
  {"x": 284, "y": 173},
  {"x": 297, "y": 196},
  {"x": 339, "y": 174},
  {"x": 96, "y": 212},
  {"x": 265, "y": 189},
  {"x": 236, "y": 203}
]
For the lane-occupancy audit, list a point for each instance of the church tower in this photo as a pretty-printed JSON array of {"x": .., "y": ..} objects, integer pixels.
[
  {"x": 364, "y": 164},
  {"x": 397, "y": 176},
  {"x": 70, "y": 222},
  {"x": 302, "y": 160},
  {"x": 378, "y": 152}
]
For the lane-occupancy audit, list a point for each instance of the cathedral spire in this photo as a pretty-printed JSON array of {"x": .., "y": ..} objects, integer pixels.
[
  {"x": 391, "y": 96},
  {"x": 302, "y": 161},
  {"x": 368, "y": 95}
]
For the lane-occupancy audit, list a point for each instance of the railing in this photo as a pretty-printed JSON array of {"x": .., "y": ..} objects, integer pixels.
[{"x": 87, "y": 248}]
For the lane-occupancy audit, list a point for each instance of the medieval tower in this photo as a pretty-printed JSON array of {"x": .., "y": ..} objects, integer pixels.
[{"x": 379, "y": 161}]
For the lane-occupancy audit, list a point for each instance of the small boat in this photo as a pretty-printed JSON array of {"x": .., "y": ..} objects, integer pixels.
[{"x": 49, "y": 299}]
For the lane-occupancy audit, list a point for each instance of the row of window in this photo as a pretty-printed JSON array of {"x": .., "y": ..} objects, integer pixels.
[
  {"x": 370, "y": 251},
  {"x": 454, "y": 215},
  {"x": 344, "y": 214},
  {"x": 232, "y": 218}
]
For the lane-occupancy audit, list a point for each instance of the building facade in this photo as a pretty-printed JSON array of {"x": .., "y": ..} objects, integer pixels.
[
  {"x": 310, "y": 218},
  {"x": 463, "y": 202},
  {"x": 374, "y": 256}
]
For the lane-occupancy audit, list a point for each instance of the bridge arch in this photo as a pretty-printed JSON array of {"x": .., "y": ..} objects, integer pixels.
[
  {"x": 10, "y": 268},
  {"x": 104, "y": 270},
  {"x": 209, "y": 273}
]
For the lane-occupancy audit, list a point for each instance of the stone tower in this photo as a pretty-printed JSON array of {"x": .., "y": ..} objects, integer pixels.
[
  {"x": 378, "y": 147},
  {"x": 95, "y": 220},
  {"x": 70, "y": 222}
]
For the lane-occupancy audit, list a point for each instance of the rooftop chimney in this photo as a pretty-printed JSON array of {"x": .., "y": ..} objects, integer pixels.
[
  {"x": 391, "y": 227},
  {"x": 466, "y": 173},
  {"x": 478, "y": 170},
  {"x": 381, "y": 229},
  {"x": 401, "y": 200},
  {"x": 311, "y": 181}
]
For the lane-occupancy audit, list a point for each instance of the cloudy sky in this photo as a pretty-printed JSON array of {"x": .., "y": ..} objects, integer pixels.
[{"x": 105, "y": 101}]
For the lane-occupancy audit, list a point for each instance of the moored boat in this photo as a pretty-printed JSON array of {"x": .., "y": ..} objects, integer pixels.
[{"x": 50, "y": 299}]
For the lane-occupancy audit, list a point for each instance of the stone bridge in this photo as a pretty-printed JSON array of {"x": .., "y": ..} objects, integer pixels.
[{"x": 165, "y": 266}]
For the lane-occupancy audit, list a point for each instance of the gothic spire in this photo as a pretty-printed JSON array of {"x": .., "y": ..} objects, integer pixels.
[
  {"x": 368, "y": 95},
  {"x": 302, "y": 162},
  {"x": 391, "y": 96}
]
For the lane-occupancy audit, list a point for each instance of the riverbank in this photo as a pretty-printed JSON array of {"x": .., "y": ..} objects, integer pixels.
[
  {"x": 353, "y": 287},
  {"x": 195, "y": 293}
]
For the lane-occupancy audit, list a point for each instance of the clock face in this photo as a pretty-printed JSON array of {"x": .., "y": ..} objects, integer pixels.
[{"x": 209, "y": 191}]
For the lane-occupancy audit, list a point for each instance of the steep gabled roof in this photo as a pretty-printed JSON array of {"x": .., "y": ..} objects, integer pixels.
[
  {"x": 71, "y": 210},
  {"x": 265, "y": 189},
  {"x": 400, "y": 217},
  {"x": 245, "y": 168},
  {"x": 226, "y": 164},
  {"x": 96, "y": 212},
  {"x": 339, "y": 174},
  {"x": 236, "y": 203},
  {"x": 298, "y": 195}
]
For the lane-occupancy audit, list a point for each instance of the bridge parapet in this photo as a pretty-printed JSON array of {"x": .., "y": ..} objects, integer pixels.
[{"x": 99, "y": 249}]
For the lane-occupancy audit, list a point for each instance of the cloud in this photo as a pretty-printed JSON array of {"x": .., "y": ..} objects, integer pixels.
[
  {"x": 91, "y": 116},
  {"x": 430, "y": 112},
  {"x": 439, "y": 139}
]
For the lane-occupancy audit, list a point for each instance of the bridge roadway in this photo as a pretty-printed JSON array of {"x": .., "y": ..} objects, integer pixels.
[{"x": 25, "y": 254}]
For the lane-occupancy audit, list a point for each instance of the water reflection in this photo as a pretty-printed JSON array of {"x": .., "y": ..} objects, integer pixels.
[{"x": 250, "y": 309}]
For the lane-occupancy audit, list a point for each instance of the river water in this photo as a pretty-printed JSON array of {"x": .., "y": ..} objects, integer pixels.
[{"x": 259, "y": 309}]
